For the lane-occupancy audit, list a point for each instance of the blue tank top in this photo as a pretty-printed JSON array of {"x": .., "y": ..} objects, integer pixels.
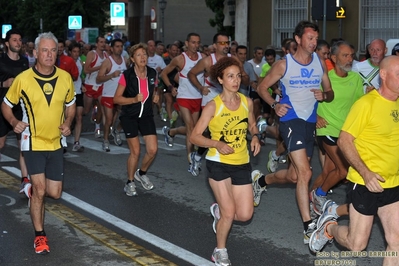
[{"x": 296, "y": 83}]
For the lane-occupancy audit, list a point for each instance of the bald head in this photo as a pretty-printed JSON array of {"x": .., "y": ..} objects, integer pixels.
[
  {"x": 389, "y": 74},
  {"x": 151, "y": 48},
  {"x": 377, "y": 50},
  {"x": 386, "y": 62}
]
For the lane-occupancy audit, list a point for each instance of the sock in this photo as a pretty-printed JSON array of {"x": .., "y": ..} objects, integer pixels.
[
  {"x": 274, "y": 156},
  {"x": 320, "y": 192},
  {"x": 97, "y": 126},
  {"x": 142, "y": 172},
  {"x": 76, "y": 142},
  {"x": 170, "y": 134},
  {"x": 262, "y": 181},
  {"x": 129, "y": 181},
  {"x": 40, "y": 233},
  {"x": 306, "y": 225}
]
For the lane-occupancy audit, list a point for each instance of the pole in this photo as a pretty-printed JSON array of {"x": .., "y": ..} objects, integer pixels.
[
  {"x": 163, "y": 26},
  {"x": 340, "y": 23},
  {"x": 324, "y": 18}
]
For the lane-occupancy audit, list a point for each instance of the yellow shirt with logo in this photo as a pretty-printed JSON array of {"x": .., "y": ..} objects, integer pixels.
[
  {"x": 43, "y": 99},
  {"x": 374, "y": 122},
  {"x": 230, "y": 127}
]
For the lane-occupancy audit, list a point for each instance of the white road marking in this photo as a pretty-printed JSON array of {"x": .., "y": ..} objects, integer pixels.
[
  {"x": 5, "y": 158},
  {"x": 129, "y": 228}
]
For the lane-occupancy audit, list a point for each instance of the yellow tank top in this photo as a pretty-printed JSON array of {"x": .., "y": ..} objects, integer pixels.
[{"x": 230, "y": 127}]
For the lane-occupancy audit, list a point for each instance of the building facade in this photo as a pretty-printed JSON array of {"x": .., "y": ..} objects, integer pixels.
[{"x": 263, "y": 22}]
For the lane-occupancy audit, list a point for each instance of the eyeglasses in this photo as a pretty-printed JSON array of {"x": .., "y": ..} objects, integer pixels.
[{"x": 224, "y": 43}]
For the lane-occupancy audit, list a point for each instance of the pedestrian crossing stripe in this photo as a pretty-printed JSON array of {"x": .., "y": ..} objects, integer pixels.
[{"x": 74, "y": 22}]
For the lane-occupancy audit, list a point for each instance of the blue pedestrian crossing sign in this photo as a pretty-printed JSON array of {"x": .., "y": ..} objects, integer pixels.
[
  {"x": 74, "y": 22},
  {"x": 117, "y": 12},
  {"x": 4, "y": 29}
]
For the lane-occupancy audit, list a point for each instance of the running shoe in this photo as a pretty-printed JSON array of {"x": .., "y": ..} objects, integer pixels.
[
  {"x": 97, "y": 133},
  {"x": 168, "y": 138},
  {"x": 28, "y": 190},
  {"x": 313, "y": 214},
  {"x": 329, "y": 213},
  {"x": 320, "y": 237},
  {"x": 144, "y": 180},
  {"x": 173, "y": 120},
  {"x": 163, "y": 114},
  {"x": 94, "y": 114},
  {"x": 282, "y": 159},
  {"x": 216, "y": 215},
  {"x": 220, "y": 257},
  {"x": 261, "y": 124},
  {"x": 130, "y": 189},
  {"x": 77, "y": 147},
  {"x": 40, "y": 245},
  {"x": 258, "y": 190},
  {"x": 318, "y": 201},
  {"x": 308, "y": 233},
  {"x": 272, "y": 164},
  {"x": 117, "y": 137},
  {"x": 195, "y": 165},
  {"x": 106, "y": 146},
  {"x": 22, "y": 185}
]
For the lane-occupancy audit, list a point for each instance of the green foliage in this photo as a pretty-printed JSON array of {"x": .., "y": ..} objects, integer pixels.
[
  {"x": 217, "y": 7},
  {"x": 26, "y": 14}
]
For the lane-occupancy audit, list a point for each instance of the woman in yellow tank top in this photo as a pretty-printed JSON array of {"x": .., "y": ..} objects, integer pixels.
[{"x": 229, "y": 116}]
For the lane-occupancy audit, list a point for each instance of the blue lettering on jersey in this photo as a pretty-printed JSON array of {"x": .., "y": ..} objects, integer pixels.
[{"x": 305, "y": 73}]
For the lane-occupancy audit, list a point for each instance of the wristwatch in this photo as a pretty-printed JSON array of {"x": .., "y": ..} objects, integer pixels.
[
  {"x": 273, "y": 105},
  {"x": 257, "y": 135}
]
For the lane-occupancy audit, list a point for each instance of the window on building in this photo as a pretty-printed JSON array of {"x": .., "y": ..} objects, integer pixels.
[
  {"x": 379, "y": 20},
  {"x": 287, "y": 14}
]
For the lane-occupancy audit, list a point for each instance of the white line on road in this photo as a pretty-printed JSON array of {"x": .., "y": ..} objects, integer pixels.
[
  {"x": 128, "y": 228},
  {"x": 5, "y": 158}
]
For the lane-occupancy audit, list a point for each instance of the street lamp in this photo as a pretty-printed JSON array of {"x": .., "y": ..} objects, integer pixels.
[{"x": 162, "y": 6}]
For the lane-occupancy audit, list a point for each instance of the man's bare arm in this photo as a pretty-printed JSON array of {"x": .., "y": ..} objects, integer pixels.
[{"x": 200, "y": 67}]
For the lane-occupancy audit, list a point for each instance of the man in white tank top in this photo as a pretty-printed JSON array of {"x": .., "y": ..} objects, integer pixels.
[
  {"x": 188, "y": 97},
  {"x": 110, "y": 71},
  {"x": 29, "y": 54},
  {"x": 300, "y": 76},
  {"x": 92, "y": 89},
  {"x": 212, "y": 88}
]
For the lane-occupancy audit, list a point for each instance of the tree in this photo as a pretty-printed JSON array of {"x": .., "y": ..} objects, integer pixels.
[
  {"x": 26, "y": 15},
  {"x": 217, "y": 7}
]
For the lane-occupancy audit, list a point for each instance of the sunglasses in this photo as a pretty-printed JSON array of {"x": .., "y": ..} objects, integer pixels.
[{"x": 223, "y": 43}]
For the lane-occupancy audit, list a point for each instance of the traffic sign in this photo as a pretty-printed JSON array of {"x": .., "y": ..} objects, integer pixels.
[
  {"x": 153, "y": 15},
  {"x": 74, "y": 22},
  {"x": 117, "y": 12},
  {"x": 4, "y": 29},
  {"x": 340, "y": 12}
]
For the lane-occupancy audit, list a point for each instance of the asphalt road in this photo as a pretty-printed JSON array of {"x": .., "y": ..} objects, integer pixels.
[{"x": 95, "y": 223}]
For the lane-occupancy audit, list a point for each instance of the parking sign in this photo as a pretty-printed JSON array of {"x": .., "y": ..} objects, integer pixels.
[
  {"x": 4, "y": 29},
  {"x": 117, "y": 12}
]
